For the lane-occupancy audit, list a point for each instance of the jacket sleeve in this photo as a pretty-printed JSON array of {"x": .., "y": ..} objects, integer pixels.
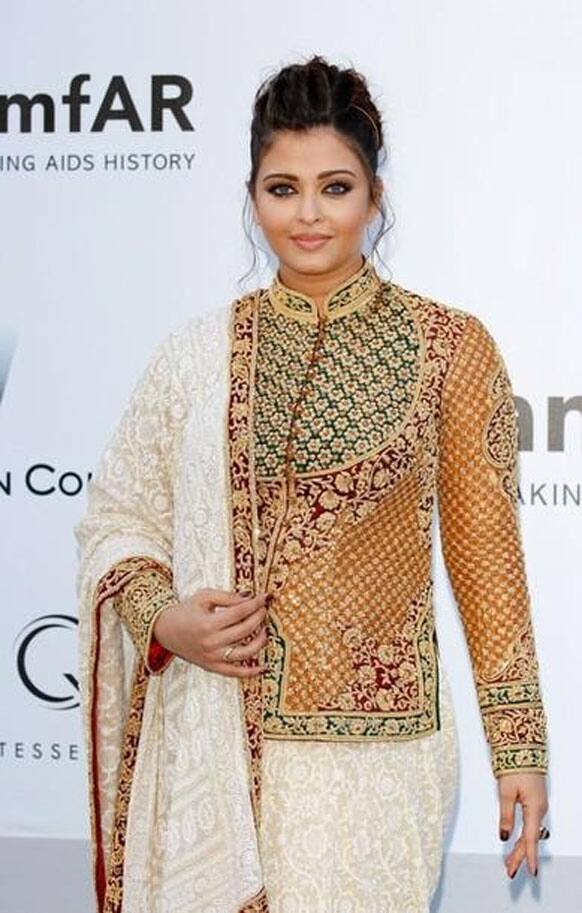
[
  {"x": 126, "y": 534},
  {"x": 482, "y": 549},
  {"x": 144, "y": 591}
]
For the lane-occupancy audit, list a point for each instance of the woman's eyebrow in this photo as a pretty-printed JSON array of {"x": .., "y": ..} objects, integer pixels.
[{"x": 322, "y": 174}]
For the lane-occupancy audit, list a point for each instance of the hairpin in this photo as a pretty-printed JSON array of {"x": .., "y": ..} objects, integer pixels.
[{"x": 352, "y": 105}]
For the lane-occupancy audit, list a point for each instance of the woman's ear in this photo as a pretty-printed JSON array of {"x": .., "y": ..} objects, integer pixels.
[
  {"x": 377, "y": 191},
  {"x": 254, "y": 209}
]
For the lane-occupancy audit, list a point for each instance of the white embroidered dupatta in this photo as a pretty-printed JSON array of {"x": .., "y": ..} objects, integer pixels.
[{"x": 168, "y": 750}]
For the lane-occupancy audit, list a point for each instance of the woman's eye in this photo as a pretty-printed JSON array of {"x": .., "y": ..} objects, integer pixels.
[
  {"x": 344, "y": 188},
  {"x": 275, "y": 188}
]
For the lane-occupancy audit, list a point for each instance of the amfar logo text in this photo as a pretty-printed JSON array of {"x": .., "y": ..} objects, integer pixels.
[{"x": 115, "y": 104}]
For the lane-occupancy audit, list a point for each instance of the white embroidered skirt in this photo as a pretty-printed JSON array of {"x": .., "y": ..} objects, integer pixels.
[{"x": 357, "y": 827}]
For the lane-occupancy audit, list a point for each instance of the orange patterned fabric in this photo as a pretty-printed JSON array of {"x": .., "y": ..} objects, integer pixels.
[
  {"x": 483, "y": 551},
  {"x": 364, "y": 415},
  {"x": 346, "y": 429},
  {"x": 302, "y": 450}
]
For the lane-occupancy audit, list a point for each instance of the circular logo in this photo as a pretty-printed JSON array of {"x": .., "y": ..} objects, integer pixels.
[{"x": 41, "y": 659}]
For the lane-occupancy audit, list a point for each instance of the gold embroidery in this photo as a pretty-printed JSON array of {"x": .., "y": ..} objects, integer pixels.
[
  {"x": 142, "y": 589},
  {"x": 340, "y": 531},
  {"x": 521, "y": 758},
  {"x": 349, "y": 610},
  {"x": 355, "y": 291},
  {"x": 243, "y": 346},
  {"x": 258, "y": 904},
  {"x": 355, "y": 396},
  {"x": 108, "y": 874},
  {"x": 346, "y": 532},
  {"x": 501, "y": 433},
  {"x": 114, "y": 892},
  {"x": 312, "y": 504},
  {"x": 483, "y": 551},
  {"x": 511, "y": 704}
]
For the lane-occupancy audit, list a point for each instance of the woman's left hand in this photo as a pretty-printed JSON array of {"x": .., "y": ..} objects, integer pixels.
[{"x": 529, "y": 789}]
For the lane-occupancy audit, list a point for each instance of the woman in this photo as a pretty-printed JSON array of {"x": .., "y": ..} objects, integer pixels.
[{"x": 269, "y": 724}]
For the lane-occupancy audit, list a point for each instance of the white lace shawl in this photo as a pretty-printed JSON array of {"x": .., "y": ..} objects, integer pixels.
[{"x": 161, "y": 490}]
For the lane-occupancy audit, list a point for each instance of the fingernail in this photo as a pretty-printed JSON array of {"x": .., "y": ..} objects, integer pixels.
[
  {"x": 536, "y": 871},
  {"x": 504, "y": 835},
  {"x": 513, "y": 876}
]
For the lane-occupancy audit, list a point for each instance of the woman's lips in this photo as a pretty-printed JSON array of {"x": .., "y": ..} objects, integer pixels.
[{"x": 307, "y": 243}]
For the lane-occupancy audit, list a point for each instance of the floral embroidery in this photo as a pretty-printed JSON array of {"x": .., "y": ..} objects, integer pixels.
[
  {"x": 142, "y": 589},
  {"x": 338, "y": 525},
  {"x": 354, "y": 292},
  {"x": 243, "y": 512},
  {"x": 483, "y": 551},
  {"x": 353, "y": 398},
  {"x": 501, "y": 433}
]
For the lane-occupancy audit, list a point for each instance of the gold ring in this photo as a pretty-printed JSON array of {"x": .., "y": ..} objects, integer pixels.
[
  {"x": 227, "y": 651},
  {"x": 544, "y": 833}
]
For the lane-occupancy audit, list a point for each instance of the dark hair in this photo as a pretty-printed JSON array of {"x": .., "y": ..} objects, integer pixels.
[{"x": 310, "y": 94}]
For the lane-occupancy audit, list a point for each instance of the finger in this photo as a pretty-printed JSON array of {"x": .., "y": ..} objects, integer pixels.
[
  {"x": 228, "y": 615},
  {"x": 245, "y": 651},
  {"x": 514, "y": 859},
  {"x": 532, "y": 816},
  {"x": 506, "y": 813},
  {"x": 229, "y": 634},
  {"x": 235, "y": 671},
  {"x": 209, "y": 597}
]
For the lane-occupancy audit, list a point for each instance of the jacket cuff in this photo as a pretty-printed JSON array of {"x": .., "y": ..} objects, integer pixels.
[
  {"x": 517, "y": 738},
  {"x": 144, "y": 591},
  {"x": 519, "y": 758},
  {"x": 143, "y": 598}
]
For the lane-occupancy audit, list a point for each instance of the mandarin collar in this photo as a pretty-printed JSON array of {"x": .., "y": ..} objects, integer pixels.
[{"x": 351, "y": 294}]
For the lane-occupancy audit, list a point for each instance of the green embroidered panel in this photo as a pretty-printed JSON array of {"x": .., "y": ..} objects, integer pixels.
[{"x": 352, "y": 397}]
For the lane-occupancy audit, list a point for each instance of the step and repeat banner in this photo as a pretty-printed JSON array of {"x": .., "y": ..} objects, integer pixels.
[{"x": 124, "y": 136}]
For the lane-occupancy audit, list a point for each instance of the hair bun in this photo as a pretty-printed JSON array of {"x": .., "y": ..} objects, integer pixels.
[{"x": 318, "y": 93}]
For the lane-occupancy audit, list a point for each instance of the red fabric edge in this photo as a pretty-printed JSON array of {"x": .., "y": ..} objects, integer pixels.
[
  {"x": 99, "y": 861},
  {"x": 158, "y": 656}
]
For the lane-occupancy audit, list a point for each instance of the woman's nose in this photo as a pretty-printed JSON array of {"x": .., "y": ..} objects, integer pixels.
[{"x": 308, "y": 207}]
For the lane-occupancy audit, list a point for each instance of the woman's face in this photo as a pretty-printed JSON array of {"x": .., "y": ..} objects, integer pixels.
[{"x": 312, "y": 183}]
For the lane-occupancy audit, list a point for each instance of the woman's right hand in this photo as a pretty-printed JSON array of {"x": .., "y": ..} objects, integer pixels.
[{"x": 200, "y": 627}]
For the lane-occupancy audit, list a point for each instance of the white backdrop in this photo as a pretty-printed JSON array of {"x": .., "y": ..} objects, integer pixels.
[{"x": 99, "y": 260}]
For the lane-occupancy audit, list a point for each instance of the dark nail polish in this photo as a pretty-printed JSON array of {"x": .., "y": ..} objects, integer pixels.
[
  {"x": 504, "y": 835},
  {"x": 514, "y": 874},
  {"x": 536, "y": 872}
]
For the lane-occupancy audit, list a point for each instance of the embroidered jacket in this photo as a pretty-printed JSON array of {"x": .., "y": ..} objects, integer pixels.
[{"x": 362, "y": 418}]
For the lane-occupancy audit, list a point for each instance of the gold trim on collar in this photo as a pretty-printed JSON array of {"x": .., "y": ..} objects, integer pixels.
[{"x": 351, "y": 294}]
